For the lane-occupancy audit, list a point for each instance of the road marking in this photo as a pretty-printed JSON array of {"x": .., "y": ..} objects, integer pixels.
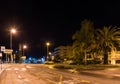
[
  {"x": 23, "y": 69},
  {"x": 16, "y": 68},
  {"x": 112, "y": 69},
  {"x": 117, "y": 75},
  {"x": 8, "y": 69},
  {"x": 68, "y": 82},
  {"x": 28, "y": 67},
  {"x": 85, "y": 81},
  {"x": 61, "y": 77},
  {"x": 19, "y": 76}
]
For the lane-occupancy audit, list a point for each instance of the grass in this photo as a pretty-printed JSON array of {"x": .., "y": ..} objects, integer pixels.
[{"x": 85, "y": 67}]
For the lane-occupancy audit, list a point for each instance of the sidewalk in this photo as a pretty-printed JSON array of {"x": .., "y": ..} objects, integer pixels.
[{"x": 3, "y": 67}]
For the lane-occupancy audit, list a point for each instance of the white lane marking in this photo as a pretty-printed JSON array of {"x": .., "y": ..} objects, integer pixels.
[
  {"x": 28, "y": 67},
  {"x": 85, "y": 81},
  {"x": 16, "y": 68},
  {"x": 19, "y": 76},
  {"x": 67, "y": 82},
  {"x": 23, "y": 69},
  {"x": 117, "y": 75},
  {"x": 8, "y": 69}
]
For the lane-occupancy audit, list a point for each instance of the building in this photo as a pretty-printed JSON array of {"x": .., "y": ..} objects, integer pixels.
[
  {"x": 63, "y": 52},
  {"x": 114, "y": 57}
]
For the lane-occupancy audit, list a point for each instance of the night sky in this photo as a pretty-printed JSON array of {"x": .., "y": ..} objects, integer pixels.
[{"x": 38, "y": 21}]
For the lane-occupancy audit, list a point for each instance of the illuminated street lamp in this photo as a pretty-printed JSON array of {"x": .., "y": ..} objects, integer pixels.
[
  {"x": 47, "y": 44},
  {"x": 12, "y": 31},
  {"x": 24, "y": 47}
]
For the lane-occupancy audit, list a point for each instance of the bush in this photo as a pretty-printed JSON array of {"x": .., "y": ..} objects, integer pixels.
[
  {"x": 64, "y": 66},
  {"x": 68, "y": 67},
  {"x": 71, "y": 62},
  {"x": 93, "y": 62}
]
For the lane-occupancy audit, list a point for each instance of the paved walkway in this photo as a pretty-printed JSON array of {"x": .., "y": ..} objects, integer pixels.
[{"x": 3, "y": 67}]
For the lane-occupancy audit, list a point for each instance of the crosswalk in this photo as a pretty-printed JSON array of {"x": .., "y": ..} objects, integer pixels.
[{"x": 16, "y": 69}]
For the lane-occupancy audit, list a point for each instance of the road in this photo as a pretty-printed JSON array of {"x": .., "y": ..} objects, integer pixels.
[{"x": 41, "y": 74}]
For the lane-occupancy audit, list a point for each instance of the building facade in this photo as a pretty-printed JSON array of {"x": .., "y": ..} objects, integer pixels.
[
  {"x": 63, "y": 52},
  {"x": 114, "y": 57}
]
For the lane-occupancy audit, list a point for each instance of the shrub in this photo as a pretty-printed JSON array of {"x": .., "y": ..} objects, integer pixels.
[{"x": 63, "y": 66}]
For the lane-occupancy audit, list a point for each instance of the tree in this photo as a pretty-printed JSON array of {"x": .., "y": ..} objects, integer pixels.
[
  {"x": 106, "y": 39},
  {"x": 83, "y": 39}
]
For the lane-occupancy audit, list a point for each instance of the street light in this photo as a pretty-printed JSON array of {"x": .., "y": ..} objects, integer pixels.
[
  {"x": 12, "y": 31},
  {"x": 24, "y": 47},
  {"x": 47, "y": 49}
]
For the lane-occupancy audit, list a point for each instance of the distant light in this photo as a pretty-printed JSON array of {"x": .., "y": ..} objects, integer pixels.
[
  {"x": 13, "y": 31},
  {"x": 42, "y": 60},
  {"x": 16, "y": 51},
  {"x": 24, "y": 46},
  {"x": 47, "y": 43},
  {"x": 50, "y": 53},
  {"x": 30, "y": 58}
]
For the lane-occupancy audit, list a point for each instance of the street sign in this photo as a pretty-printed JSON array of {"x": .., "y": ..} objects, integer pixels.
[
  {"x": 3, "y": 48},
  {"x": 8, "y": 51}
]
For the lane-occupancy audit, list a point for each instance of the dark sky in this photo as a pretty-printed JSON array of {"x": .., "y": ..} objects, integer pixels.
[{"x": 38, "y": 21}]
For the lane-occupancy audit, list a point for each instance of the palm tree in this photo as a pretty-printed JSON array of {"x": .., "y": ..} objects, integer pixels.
[
  {"x": 83, "y": 39},
  {"x": 106, "y": 38}
]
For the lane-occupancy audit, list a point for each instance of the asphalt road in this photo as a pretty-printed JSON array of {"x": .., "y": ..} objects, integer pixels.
[{"x": 41, "y": 74}]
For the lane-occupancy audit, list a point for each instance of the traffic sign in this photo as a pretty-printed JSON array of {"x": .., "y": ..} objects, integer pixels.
[
  {"x": 3, "y": 48},
  {"x": 9, "y": 51}
]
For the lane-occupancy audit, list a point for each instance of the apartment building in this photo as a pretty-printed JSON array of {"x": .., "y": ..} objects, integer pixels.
[{"x": 63, "y": 51}]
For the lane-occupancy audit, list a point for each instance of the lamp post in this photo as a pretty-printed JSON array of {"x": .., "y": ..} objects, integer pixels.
[
  {"x": 12, "y": 31},
  {"x": 24, "y": 47},
  {"x": 47, "y": 44}
]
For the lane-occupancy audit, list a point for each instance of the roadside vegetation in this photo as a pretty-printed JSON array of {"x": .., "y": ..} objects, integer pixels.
[
  {"x": 84, "y": 67},
  {"x": 92, "y": 45}
]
